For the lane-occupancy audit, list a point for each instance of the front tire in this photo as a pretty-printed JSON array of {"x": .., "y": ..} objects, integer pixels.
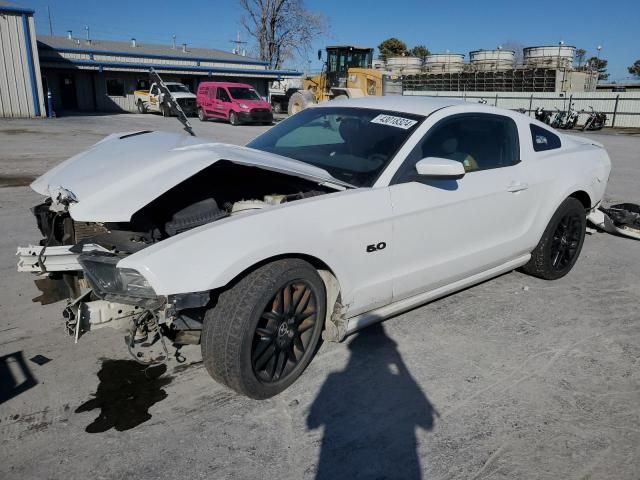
[
  {"x": 141, "y": 107},
  {"x": 233, "y": 119},
  {"x": 561, "y": 242},
  {"x": 263, "y": 331},
  {"x": 166, "y": 111},
  {"x": 299, "y": 101}
]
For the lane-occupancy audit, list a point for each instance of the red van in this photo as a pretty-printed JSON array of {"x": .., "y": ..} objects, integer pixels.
[{"x": 236, "y": 102}]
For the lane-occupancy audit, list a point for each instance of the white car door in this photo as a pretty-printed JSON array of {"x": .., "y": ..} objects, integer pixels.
[{"x": 449, "y": 229}]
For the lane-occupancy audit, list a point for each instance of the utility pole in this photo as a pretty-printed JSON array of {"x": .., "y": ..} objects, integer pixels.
[
  {"x": 237, "y": 50},
  {"x": 50, "y": 24}
]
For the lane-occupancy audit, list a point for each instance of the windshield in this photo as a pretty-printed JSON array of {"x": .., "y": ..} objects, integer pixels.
[
  {"x": 176, "y": 87},
  {"x": 353, "y": 144},
  {"x": 243, "y": 93}
]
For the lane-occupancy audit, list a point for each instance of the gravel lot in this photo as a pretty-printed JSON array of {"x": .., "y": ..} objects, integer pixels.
[{"x": 514, "y": 378}]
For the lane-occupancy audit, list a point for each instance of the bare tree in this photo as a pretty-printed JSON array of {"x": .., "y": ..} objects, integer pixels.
[{"x": 281, "y": 28}]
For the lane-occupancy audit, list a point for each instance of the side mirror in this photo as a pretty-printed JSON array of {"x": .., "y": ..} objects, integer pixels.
[{"x": 440, "y": 167}]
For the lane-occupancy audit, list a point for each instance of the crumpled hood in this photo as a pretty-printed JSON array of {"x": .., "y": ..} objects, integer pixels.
[{"x": 125, "y": 171}]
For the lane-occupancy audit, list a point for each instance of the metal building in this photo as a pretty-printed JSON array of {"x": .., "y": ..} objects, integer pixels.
[
  {"x": 20, "y": 84},
  {"x": 101, "y": 75}
]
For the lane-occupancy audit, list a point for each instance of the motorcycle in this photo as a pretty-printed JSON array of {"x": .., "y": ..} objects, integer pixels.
[
  {"x": 543, "y": 115},
  {"x": 558, "y": 119},
  {"x": 570, "y": 119},
  {"x": 596, "y": 120}
]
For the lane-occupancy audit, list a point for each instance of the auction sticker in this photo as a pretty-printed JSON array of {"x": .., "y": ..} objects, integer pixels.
[{"x": 393, "y": 121}]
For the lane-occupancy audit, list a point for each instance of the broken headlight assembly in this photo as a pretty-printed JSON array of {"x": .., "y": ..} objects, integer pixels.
[{"x": 106, "y": 279}]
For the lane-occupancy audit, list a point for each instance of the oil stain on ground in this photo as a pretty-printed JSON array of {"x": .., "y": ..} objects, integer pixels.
[
  {"x": 16, "y": 180},
  {"x": 126, "y": 391}
]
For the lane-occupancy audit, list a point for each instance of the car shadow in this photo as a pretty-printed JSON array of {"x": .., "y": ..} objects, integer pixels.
[
  {"x": 15, "y": 376},
  {"x": 370, "y": 412}
]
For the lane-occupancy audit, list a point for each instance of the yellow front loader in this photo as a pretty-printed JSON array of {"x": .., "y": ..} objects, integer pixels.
[{"x": 347, "y": 73}]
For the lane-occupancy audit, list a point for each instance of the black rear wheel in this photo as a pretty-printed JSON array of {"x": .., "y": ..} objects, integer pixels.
[
  {"x": 561, "y": 242},
  {"x": 263, "y": 331},
  {"x": 201, "y": 115}
]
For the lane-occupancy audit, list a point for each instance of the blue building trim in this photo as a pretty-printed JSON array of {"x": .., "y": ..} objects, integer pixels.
[
  {"x": 149, "y": 55},
  {"x": 146, "y": 66},
  {"x": 32, "y": 69},
  {"x": 18, "y": 10}
]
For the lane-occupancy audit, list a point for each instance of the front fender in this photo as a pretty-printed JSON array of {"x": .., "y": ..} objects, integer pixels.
[{"x": 335, "y": 228}]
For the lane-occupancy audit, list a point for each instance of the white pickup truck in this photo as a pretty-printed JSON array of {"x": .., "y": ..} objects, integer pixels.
[{"x": 152, "y": 100}]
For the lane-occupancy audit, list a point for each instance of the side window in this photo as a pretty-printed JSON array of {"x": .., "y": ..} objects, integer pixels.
[
  {"x": 223, "y": 96},
  {"x": 211, "y": 92},
  {"x": 115, "y": 87},
  {"x": 478, "y": 141},
  {"x": 543, "y": 139}
]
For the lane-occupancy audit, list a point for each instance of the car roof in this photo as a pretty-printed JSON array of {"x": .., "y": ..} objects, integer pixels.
[
  {"x": 224, "y": 84},
  {"x": 417, "y": 105}
]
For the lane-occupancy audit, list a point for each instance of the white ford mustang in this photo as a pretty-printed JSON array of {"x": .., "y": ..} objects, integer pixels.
[{"x": 340, "y": 216}]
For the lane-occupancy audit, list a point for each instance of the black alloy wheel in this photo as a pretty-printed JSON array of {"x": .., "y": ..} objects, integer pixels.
[
  {"x": 565, "y": 242},
  {"x": 561, "y": 243},
  {"x": 284, "y": 332}
]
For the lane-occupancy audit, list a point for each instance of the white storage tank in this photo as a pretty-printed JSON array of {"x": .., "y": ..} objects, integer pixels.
[
  {"x": 549, "y": 56},
  {"x": 491, "y": 60},
  {"x": 404, "y": 65},
  {"x": 444, "y": 63}
]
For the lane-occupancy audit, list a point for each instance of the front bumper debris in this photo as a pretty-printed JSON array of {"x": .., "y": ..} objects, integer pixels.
[
  {"x": 83, "y": 314},
  {"x": 61, "y": 258}
]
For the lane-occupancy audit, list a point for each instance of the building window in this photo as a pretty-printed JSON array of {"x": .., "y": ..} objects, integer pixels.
[
  {"x": 142, "y": 84},
  {"x": 115, "y": 87}
]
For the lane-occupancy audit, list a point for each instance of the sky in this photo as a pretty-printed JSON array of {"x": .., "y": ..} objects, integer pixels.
[{"x": 458, "y": 27}]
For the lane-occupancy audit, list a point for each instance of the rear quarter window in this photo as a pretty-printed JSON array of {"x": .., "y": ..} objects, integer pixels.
[{"x": 544, "y": 139}]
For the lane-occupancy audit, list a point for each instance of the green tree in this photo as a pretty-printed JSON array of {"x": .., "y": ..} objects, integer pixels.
[
  {"x": 581, "y": 53},
  {"x": 635, "y": 69},
  {"x": 600, "y": 65},
  {"x": 420, "y": 51},
  {"x": 392, "y": 47}
]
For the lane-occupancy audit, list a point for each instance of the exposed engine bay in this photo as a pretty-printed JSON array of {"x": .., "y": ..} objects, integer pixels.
[{"x": 75, "y": 259}]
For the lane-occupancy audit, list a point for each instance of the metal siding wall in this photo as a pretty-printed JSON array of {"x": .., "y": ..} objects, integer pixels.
[
  {"x": 628, "y": 112},
  {"x": 42, "y": 96},
  {"x": 14, "y": 78}
]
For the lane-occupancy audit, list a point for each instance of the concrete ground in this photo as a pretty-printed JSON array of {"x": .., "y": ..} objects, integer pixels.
[{"x": 514, "y": 378}]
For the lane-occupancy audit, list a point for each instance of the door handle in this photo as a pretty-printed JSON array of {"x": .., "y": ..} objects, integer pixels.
[{"x": 517, "y": 187}]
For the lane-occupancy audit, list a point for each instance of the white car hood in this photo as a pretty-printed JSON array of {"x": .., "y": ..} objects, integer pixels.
[{"x": 125, "y": 171}]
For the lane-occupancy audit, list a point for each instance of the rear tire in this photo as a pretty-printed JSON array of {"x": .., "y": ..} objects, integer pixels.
[
  {"x": 561, "y": 242},
  {"x": 263, "y": 331},
  {"x": 277, "y": 107},
  {"x": 201, "y": 115}
]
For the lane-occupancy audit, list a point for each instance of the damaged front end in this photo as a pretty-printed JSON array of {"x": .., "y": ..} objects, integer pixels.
[{"x": 78, "y": 256}]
